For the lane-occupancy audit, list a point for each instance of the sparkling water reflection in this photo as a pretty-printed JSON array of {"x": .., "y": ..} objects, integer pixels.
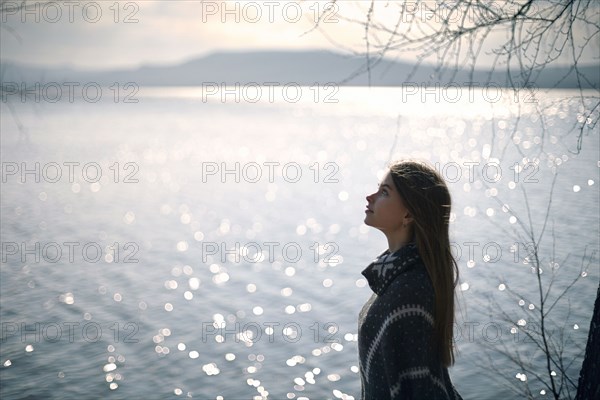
[{"x": 193, "y": 291}]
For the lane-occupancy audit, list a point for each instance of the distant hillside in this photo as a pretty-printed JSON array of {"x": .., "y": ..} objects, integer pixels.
[{"x": 303, "y": 68}]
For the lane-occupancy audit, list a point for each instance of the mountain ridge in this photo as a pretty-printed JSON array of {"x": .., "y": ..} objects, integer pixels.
[{"x": 304, "y": 68}]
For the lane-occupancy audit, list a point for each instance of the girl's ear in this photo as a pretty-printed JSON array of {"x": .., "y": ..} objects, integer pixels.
[{"x": 408, "y": 219}]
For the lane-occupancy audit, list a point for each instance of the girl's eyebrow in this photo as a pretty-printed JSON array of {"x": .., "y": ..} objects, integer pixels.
[{"x": 385, "y": 185}]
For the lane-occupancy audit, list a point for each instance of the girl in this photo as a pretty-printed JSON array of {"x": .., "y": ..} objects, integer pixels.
[{"x": 405, "y": 328}]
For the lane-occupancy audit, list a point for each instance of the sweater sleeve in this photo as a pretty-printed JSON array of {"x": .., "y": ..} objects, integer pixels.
[{"x": 412, "y": 368}]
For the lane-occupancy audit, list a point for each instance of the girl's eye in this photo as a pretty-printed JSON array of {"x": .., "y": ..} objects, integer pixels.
[{"x": 384, "y": 192}]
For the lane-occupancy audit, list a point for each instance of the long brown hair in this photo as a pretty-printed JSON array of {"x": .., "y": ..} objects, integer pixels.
[{"x": 427, "y": 198}]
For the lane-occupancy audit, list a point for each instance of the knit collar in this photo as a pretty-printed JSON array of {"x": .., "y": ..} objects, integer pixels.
[{"x": 386, "y": 267}]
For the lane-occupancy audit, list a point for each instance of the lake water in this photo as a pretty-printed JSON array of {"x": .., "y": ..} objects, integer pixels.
[{"x": 189, "y": 246}]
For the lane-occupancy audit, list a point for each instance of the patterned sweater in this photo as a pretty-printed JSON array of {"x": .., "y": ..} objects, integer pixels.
[{"x": 395, "y": 326}]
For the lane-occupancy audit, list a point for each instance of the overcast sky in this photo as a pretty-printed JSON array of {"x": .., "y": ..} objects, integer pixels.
[{"x": 100, "y": 35}]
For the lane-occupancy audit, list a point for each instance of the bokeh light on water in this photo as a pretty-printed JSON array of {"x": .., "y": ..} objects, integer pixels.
[{"x": 160, "y": 314}]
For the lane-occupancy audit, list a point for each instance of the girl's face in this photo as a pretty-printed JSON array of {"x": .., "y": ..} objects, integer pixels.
[{"x": 385, "y": 208}]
